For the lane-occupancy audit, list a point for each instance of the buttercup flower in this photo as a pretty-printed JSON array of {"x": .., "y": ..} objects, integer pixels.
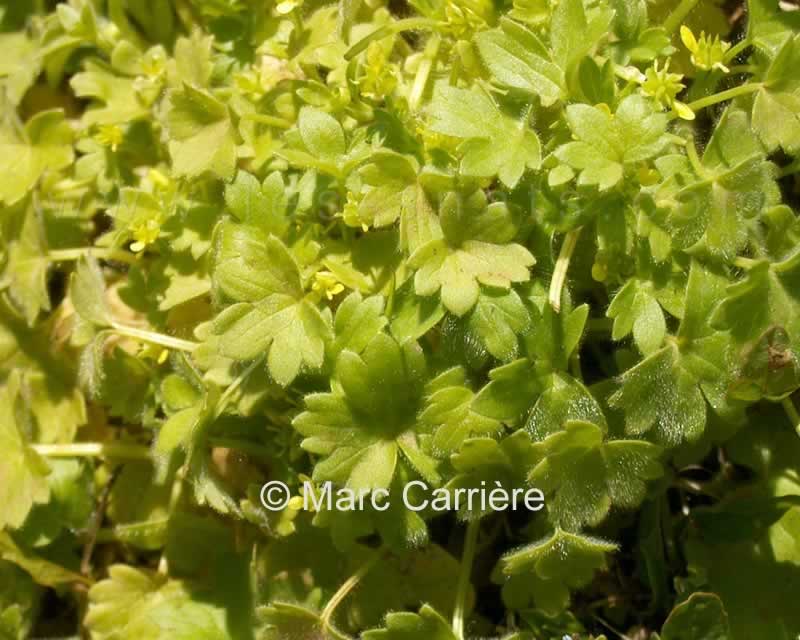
[
  {"x": 707, "y": 53},
  {"x": 325, "y": 283},
  {"x": 109, "y": 135},
  {"x": 145, "y": 232},
  {"x": 380, "y": 77},
  {"x": 663, "y": 87}
]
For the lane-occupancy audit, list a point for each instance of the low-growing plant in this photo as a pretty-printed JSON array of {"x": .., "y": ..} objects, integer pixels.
[{"x": 382, "y": 246}]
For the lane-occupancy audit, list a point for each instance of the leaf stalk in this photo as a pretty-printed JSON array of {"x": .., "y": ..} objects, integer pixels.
[
  {"x": 467, "y": 560},
  {"x": 562, "y": 266}
]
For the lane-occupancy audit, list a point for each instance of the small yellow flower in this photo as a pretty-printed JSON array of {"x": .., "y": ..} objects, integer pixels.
[
  {"x": 350, "y": 213},
  {"x": 663, "y": 87},
  {"x": 287, "y": 6},
  {"x": 154, "y": 352},
  {"x": 159, "y": 180},
  {"x": 380, "y": 77},
  {"x": 109, "y": 135},
  {"x": 154, "y": 62},
  {"x": 145, "y": 232},
  {"x": 707, "y": 53},
  {"x": 325, "y": 283},
  {"x": 463, "y": 19}
]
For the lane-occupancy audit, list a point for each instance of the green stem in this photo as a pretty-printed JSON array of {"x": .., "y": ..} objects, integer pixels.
[
  {"x": 792, "y": 413},
  {"x": 736, "y": 49},
  {"x": 68, "y": 255},
  {"x": 676, "y": 18},
  {"x": 462, "y": 591},
  {"x": 424, "y": 71},
  {"x": 722, "y": 96},
  {"x": 345, "y": 589},
  {"x": 175, "y": 495},
  {"x": 694, "y": 158},
  {"x": 226, "y": 397},
  {"x": 117, "y": 450},
  {"x": 743, "y": 68},
  {"x": 562, "y": 265},
  {"x": 745, "y": 263},
  {"x": 153, "y": 338},
  {"x": 790, "y": 169},
  {"x": 409, "y": 24},
  {"x": 251, "y": 448},
  {"x": 272, "y": 121}
]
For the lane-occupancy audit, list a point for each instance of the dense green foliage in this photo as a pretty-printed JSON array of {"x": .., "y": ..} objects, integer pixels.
[{"x": 547, "y": 243}]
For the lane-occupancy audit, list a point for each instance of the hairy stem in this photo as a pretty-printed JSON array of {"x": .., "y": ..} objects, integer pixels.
[
  {"x": 226, "y": 397},
  {"x": 117, "y": 450},
  {"x": 789, "y": 169},
  {"x": 745, "y": 263},
  {"x": 345, "y": 589},
  {"x": 792, "y": 413},
  {"x": 272, "y": 121},
  {"x": 736, "y": 49},
  {"x": 562, "y": 266},
  {"x": 467, "y": 559},
  {"x": 153, "y": 338},
  {"x": 676, "y": 18},
  {"x": 68, "y": 255},
  {"x": 722, "y": 96},
  {"x": 175, "y": 496},
  {"x": 424, "y": 71},
  {"x": 409, "y": 24}
]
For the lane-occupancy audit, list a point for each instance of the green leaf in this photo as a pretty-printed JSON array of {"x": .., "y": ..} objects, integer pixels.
[
  {"x": 735, "y": 186},
  {"x": 573, "y": 33},
  {"x": 427, "y": 624},
  {"x": 484, "y": 464},
  {"x": 702, "y": 615},
  {"x": 193, "y": 59},
  {"x": 459, "y": 262},
  {"x": 292, "y": 333},
  {"x": 250, "y": 266},
  {"x": 564, "y": 399},
  {"x": 413, "y": 316},
  {"x": 201, "y": 134},
  {"x": 582, "y": 475},
  {"x": 769, "y": 24},
  {"x": 395, "y": 193},
  {"x": 25, "y": 274},
  {"x": 358, "y": 428},
  {"x": 680, "y": 412},
  {"x": 448, "y": 410},
  {"x": 517, "y": 59},
  {"x": 495, "y": 144},
  {"x": 684, "y": 374},
  {"x": 606, "y": 144},
  {"x": 497, "y": 319},
  {"x": 550, "y": 567},
  {"x": 23, "y": 473},
  {"x": 116, "y": 99},
  {"x": 777, "y": 103},
  {"x": 321, "y": 133},
  {"x": 133, "y": 603},
  {"x": 42, "y": 571},
  {"x": 767, "y": 296},
  {"x": 258, "y": 205},
  {"x": 357, "y": 322},
  {"x": 45, "y": 145},
  {"x": 636, "y": 309},
  {"x": 87, "y": 291}
]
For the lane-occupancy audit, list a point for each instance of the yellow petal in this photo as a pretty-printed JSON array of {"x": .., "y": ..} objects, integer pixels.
[
  {"x": 689, "y": 41},
  {"x": 683, "y": 110}
]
